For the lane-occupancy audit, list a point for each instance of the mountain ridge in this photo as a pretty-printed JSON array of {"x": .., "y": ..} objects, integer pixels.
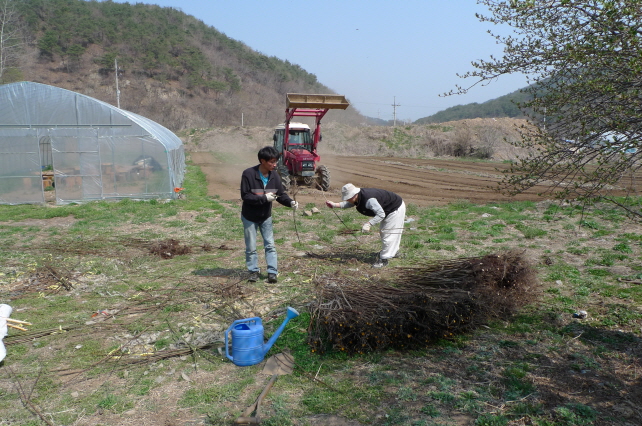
[
  {"x": 172, "y": 67},
  {"x": 502, "y": 106}
]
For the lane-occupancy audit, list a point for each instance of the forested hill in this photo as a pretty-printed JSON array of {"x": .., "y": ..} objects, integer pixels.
[
  {"x": 504, "y": 106},
  {"x": 173, "y": 68}
]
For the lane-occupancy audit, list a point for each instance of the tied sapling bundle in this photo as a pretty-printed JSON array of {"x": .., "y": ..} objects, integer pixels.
[{"x": 420, "y": 305}]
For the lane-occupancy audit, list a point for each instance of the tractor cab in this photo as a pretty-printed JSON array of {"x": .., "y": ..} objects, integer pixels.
[
  {"x": 298, "y": 152},
  {"x": 299, "y": 137}
]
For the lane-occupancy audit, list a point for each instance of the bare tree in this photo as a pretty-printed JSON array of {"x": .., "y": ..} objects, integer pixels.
[
  {"x": 583, "y": 60},
  {"x": 10, "y": 36}
]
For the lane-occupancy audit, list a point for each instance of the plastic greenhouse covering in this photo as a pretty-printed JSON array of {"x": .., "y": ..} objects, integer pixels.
[{"x": 83, "y": 148}]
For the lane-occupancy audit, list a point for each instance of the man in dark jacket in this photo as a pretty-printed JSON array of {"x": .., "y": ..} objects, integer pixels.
[
  {"x": 382, "y": 206},
  {"x": 260, "y": 185}
]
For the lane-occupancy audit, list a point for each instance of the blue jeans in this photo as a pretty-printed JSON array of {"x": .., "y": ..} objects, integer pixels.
[{"x": 251, "y": 257}]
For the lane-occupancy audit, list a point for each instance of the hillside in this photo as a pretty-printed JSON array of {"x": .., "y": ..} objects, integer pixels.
[
  {"x": 477, "y": 138},
  {"x": 173, "y": 68},
  {"x": 504, "y": 106}
]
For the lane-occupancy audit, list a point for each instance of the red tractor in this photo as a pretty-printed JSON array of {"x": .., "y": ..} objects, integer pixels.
[{"x": 298, "y": 144}]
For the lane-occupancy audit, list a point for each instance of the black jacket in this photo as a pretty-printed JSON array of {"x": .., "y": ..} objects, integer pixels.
[
  {"x": 256, "y": 207},
  {"x": 389, "y": 201}
]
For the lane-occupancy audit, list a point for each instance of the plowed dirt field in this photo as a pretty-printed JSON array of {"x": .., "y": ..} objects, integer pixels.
[{"x": 418, "y": 181}]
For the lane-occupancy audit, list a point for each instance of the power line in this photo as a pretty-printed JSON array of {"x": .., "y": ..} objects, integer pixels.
[{"x": 406, "y": 106}]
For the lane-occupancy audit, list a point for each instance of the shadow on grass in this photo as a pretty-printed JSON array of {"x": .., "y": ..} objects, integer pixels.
[
  {"x": 613, "y": 340},
  {"x": 222, "y": 272},
  {"x": 346, "y": 256},
  {"x": 596, "y": 383}
]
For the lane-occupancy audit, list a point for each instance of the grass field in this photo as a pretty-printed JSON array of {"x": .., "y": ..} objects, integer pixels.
[{"x": 122, "y": 335}]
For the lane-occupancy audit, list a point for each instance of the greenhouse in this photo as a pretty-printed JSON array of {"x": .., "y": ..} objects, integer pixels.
[{"x": 55, "y": 141}]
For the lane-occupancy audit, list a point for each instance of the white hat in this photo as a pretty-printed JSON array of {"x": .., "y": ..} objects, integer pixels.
[{"x": 348, "y": 191}]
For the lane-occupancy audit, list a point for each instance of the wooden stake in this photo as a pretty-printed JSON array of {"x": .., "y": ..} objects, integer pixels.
[
  {"x": 17, "y": 321},
  {"x": 16, "y": 327}
]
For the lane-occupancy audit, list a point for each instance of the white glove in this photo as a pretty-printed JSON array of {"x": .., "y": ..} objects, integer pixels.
[
  {"x": 366, "y": 227},
  {"x": 332, "y": 205},
  {"x": 270, "y": 196},
  {"x": 294, "y": 205}
]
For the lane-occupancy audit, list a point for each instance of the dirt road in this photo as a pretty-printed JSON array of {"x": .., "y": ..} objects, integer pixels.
[{"x": 420, "y": 182}]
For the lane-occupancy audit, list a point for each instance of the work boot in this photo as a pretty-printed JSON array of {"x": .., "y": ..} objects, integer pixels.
[
  {"x": 272, "y": 278},
  {"x": 380, "y": 263},
  {"x": 253, "y": 277}
]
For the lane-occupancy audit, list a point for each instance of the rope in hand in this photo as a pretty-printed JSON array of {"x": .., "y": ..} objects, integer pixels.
[
  {"x": 296, "y": 230},
  {"x": 294, "y": 212},
  {"x": 337, "y": 215}
]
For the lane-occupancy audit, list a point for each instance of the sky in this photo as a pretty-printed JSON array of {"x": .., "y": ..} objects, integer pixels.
[{"x": 378, "y": 53}]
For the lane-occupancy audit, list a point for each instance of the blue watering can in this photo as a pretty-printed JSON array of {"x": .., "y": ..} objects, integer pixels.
[{"x": 247, "y": 339}]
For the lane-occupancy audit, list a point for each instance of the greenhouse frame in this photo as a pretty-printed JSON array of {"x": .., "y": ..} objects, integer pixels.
[{"x": 53, "y": 139}]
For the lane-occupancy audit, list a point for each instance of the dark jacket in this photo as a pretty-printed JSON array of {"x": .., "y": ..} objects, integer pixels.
[
  {"x": 256, "y": 207},
  {"x": 389, "y": 201}
]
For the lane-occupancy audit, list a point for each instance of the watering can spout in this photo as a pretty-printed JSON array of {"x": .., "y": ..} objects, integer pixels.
[{"x": 291, "y": 313}]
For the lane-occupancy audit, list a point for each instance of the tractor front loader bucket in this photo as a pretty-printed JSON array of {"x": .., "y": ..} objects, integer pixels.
[{"x": 297, "y": 100}]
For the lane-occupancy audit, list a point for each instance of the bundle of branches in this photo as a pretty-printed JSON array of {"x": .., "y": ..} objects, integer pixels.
[
  {"x": 501, "y": 283},
  {"x": 437, "y": 300}
]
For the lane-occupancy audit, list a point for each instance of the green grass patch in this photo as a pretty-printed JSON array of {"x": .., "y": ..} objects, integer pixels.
[
  {"x": 168, "y": 303},
  {"x": 531, "y": 232}
]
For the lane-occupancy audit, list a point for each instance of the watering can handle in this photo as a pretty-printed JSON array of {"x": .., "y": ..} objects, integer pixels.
[{"x": 227, "y": 333}]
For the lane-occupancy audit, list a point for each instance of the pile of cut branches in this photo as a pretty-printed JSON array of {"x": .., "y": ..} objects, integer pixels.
[
  {"x": 167, "y": 249},
  {"x": 422, "y": 304}
]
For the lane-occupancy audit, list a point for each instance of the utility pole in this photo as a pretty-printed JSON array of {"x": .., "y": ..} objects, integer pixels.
[
  {"x": 117, "y": 89},
  {"x": 394, "y": 111}
]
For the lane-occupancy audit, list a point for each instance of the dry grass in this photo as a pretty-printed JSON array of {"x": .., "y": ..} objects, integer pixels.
[{"x": 474, "y": 137}]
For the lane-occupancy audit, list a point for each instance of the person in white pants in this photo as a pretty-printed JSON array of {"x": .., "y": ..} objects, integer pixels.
[
  {"x": 5, "y": 312},
  {"x": 383, "y": 207}
]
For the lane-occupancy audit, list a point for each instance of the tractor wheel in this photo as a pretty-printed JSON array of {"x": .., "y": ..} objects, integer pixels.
[
  {"x": 323, "y": 178},
  {"x": 285, "y": 177},
  {"x": 286, "y": 182}
]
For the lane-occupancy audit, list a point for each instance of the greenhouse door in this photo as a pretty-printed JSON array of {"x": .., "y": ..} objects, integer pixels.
[
  {"x": 76, "y": 162},
  {"x": 20, "y": 179}
]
